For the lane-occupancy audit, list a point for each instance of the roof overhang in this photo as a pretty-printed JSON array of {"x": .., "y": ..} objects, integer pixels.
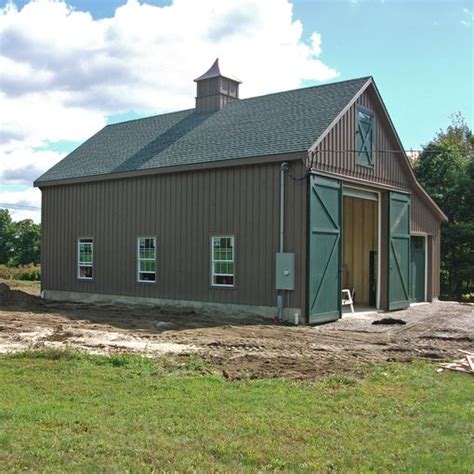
[{"x": 256, "y": 160}]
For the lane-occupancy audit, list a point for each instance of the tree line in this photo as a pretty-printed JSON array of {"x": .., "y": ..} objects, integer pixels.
[
  {"x": 20, "y": 241},
  {"x": 445, "y": 168}
]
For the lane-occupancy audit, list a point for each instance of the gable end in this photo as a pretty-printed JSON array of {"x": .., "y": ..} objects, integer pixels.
[{"x": 336, "y": 151}]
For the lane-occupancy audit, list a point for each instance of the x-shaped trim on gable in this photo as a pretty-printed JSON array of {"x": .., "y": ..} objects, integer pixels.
[{"x": 366, "y": 139}]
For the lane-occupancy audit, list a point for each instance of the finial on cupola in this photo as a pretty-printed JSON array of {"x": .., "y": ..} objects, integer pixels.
[{"x": 215, "y": 90}]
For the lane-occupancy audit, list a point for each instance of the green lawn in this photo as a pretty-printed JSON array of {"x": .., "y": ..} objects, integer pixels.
[{"x": 85, "y": 413}]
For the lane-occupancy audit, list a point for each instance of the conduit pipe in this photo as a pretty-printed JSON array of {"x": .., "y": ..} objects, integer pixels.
[{"x": 283, "y": 170}]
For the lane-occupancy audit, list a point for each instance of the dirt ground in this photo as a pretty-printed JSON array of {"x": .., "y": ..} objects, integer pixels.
[{"x": 235, "y": 345}]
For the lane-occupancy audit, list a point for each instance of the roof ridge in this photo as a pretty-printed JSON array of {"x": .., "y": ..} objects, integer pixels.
[
  {"x": 246, "y": 99},
  {"x": 307, "y": 87}
]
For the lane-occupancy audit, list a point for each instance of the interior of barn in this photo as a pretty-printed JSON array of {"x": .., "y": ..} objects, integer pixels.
[{"x": 360, "y": 243}]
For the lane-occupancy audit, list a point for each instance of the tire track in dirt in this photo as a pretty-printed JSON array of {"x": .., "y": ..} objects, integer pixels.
[{"x": 237, "y": 345}]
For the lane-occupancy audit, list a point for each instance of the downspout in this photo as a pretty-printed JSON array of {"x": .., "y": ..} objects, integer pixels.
[{"x": 283, "y": 169}]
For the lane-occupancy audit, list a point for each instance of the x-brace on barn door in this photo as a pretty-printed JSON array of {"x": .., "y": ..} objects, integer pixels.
[
  {"x": 325, "y": 208},
  {"x": 399, "y": 251}
]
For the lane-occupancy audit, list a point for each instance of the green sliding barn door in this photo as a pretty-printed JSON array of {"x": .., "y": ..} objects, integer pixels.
[
  {"x": 324, "y": 249},
  {"x": 417, "y": 285},
  {"x": 399, "y": 251}
]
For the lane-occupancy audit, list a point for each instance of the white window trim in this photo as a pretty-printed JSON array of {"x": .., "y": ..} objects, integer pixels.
[
  {"x": 223, "y": 261},
  {"x": 79, "y": 264},
  {"x": 146, "y": 259}
]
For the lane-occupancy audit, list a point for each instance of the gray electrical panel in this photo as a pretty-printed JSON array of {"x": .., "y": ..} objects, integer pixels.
[{"x": 285, "y": 271}]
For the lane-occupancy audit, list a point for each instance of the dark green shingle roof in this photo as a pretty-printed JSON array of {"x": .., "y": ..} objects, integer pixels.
[{"x": 284, "y": 122}]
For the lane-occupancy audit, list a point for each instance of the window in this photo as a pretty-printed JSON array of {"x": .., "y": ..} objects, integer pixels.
[
  {"x": 147, "y": 259},
  {"x": 365, "y": 138},
  {"x": 85, "y": 258},
  {"x": 225, "y": 86},
  {"x": 222, "y": 260}
]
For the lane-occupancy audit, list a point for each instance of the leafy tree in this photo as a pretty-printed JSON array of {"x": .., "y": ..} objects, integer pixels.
[
  {"x": 6, "y": 235},
  {"x": 26, "y": 243},
  {"x": 19, "y": 241},
  {"x": 446, "y": 169},
  {"x": 457, "y": 258}
]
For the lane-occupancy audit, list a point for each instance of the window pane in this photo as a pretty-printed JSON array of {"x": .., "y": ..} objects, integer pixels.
[
  {"x": 223, "y": 280},
  {"x": 147, "y": 276},
  {"x": 223, "y": 254},
  {"x": 147, "y": 243},
  {"x": 85, "y": 257},
  {"x": 223, "y": 248},
  {"x": 364, "y": 138},
  {"x": 85, "y": 252},
  {"x": 147, "y": 253},
  {"x": 364, "y": 116},
  {"x": 85, "y": 272},
  {"x": 147, "y": 266}
]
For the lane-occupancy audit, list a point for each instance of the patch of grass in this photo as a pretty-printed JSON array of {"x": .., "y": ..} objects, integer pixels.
[
  {"x": 195, "y": 363},
  {"x": 67, "y": 411},
  {"x": 128, "y": 361},
  {"x": 23, "y": 272}
]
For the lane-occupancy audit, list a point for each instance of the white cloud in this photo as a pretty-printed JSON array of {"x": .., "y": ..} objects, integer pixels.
[
  {"x": 63, "y": 71},
  {"x": 24, "y": 204},
  {"x": 34, "y": 118},
  {"x": 19, "y": 165}
]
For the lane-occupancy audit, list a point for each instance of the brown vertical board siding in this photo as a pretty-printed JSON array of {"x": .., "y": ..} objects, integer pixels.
[
  {"x": 423, "y": 221},
  {"x": 335, "y": 155},
  {"x": 183, "y": 211}
]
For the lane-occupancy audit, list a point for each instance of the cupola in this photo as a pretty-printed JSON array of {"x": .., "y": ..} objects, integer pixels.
[{"x": 215, "y": 90}]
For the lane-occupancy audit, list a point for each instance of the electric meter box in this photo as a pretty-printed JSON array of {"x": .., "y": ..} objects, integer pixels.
[{"x": 285, "y": 271}]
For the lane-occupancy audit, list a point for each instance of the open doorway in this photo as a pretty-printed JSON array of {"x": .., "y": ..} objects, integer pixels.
[{"x": 360, "y": 248}]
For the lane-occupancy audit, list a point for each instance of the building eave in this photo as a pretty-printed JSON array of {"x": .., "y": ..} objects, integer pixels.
[{"x": 247, "y": 161}]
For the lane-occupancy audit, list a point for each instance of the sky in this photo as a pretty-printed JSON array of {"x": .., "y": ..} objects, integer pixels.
[{"x": 68, "y": 68}]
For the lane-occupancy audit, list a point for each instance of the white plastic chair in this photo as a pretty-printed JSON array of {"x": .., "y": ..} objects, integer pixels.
[{"x": 347, "y": 299}]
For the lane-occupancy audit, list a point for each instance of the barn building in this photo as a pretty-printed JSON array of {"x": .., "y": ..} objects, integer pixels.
[{"x": 270, "y": 205}]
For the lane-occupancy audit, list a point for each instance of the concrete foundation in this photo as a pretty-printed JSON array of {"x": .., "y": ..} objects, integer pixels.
[{"x": 96, "y": 298}]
